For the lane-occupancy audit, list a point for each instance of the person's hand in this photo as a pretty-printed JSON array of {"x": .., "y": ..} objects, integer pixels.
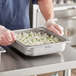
[
  {"x": 7, "y": 37},
  {"x": 52, "y": 26}
]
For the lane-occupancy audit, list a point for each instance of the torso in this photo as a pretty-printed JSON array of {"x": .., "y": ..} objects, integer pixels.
[{"x": 14, "y": 14}]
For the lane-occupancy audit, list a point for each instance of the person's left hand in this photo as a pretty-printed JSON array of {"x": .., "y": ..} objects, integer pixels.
[{"x": 52, "y": 26}]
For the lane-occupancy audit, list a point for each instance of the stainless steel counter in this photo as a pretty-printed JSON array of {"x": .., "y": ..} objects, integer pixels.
[{"x": 14, "y": 63}]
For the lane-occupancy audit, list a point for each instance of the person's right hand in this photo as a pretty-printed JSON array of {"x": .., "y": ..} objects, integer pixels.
[
  {"x": 7, "y": 37},
  {"x": 52, "y": 26}
]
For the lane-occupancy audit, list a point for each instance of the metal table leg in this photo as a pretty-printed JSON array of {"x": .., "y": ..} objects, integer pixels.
[{"x": 67, "y": 72}]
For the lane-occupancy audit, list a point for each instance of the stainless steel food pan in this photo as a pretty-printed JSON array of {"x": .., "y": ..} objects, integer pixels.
[{"x": 40, "y": 49}]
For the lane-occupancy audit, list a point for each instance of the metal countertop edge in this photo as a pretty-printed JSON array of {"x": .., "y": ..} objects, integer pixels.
[{"x": 41, "y": 69}]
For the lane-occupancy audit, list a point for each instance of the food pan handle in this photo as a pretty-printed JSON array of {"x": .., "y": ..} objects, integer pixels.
[{"x": 67, "y": 41}]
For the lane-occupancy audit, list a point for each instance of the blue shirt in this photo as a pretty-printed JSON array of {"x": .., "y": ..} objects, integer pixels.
[{"x": 14, "y": 14}]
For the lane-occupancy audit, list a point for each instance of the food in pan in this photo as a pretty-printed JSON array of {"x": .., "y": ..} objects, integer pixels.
[{"x": 34, "y": 38}]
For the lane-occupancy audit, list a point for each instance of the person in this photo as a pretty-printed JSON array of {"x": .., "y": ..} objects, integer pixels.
[{"x": 14, "y": 14}]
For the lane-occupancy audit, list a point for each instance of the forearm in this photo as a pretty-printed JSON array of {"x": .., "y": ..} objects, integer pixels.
[{"x": 46, "y": 7}]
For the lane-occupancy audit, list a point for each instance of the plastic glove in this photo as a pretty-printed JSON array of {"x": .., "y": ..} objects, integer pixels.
[
  {"x": 7, "y": 37},
  {"x": 52, "y": 26}
]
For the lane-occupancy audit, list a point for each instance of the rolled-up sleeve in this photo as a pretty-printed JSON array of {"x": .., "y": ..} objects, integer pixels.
[{"x": 35, "y": 1}]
